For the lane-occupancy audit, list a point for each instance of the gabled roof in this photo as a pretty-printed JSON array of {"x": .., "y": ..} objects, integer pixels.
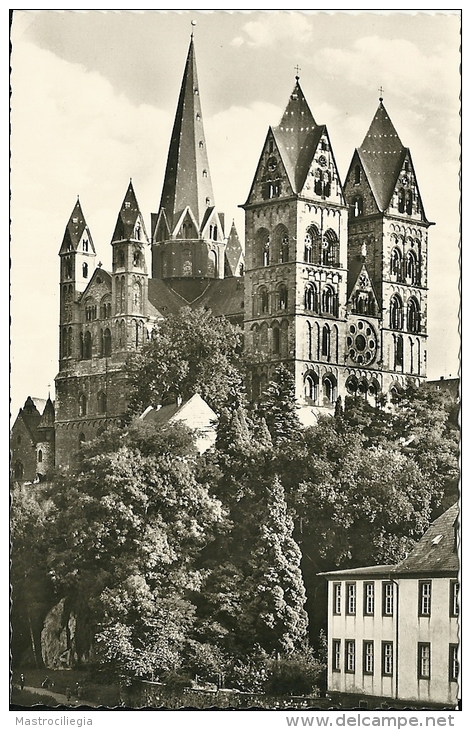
[
  {"x": 75, "y": 230},
  {"x": 163, "y": 298},
  {"x": 129, "y": 215},
  {"x": 180, "y": 412},
  {"x": 48, "y": 415},
  {"x": 99, "y": 271},
  {"x": 297, "y": 137},
  {"x": 436, "y": 550},
  {"x": 187, "y": 180},
  {"x": 357, "y": 266},
  {"x": 382, "y": 155}
]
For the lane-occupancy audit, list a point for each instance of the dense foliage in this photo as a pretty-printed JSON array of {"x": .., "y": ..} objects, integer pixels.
[{"x": 185, "y": 566}]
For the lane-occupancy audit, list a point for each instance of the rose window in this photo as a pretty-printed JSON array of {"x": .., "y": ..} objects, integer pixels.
[{"x": 362, "y": 343}]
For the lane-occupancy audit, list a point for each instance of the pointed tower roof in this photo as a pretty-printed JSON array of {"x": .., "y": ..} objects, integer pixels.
[
  {"x": 234, "y": 253},
  {"x": 75, "y": 229},
  {"x": 297, "y": 136},
  {"x": 187, "y": 179},
  {"x": 48, "y": 416},
  {"x": 128, "y": 217},
  {"x": 382, "y": 154}
]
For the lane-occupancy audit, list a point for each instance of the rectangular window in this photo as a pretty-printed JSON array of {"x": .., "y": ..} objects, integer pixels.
[
  {"x": 454, "y": 663},
  {"x": 337, "y": 598},
  {"x": 368, "y": 657},
  {"x": 387, "y": 658},
  {"x": 388, "y": 599},
  {"x": 423, "y": 655},
  {"x": 368, "y": 599},
  {"x": 425, "y": 597},
  {"x": 351, "y": 598},
  {"x": 454, "y": 594},
  {"x": 336, "y": 666},
  {"x": 350, "y": 656}
]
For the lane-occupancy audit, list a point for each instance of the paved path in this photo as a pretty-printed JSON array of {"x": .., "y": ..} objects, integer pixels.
[{"x": 61, "y": 699}]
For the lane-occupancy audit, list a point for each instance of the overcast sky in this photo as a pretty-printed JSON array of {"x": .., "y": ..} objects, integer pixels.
[{"x": 93, "y": 99}]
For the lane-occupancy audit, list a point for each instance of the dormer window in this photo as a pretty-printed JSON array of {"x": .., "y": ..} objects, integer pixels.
[
  {"x": 127, "y": 204},
  {"x": 205, "y": 173},
  {"x": 208, "y": 201},
  {"x": 200, "y": 145}
]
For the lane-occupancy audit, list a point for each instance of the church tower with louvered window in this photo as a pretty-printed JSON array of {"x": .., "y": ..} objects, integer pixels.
[
  {"x": 387, "y": 264},
  {"x": 296, "y": 257}
]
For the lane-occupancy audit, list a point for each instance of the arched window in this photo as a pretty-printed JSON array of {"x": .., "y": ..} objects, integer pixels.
[
  {"x": 276, "y": 339},
  {"x": 329, "y": 301},
  {"x": 330, "y": 248},
  {"x": 412, "y": 268},
  {"x": 398, "y": 351},
  {"x": 357, "y": 206},
  {"x": 413, "y": 315},
  {"x": 282, "y": 297},
  {"x": 40, "y": 456},
  {"x": 329, "y": 389},
  {"x": 101, "y": 402},
  {"x": 325, "y": 348},
  {"x": 372, "y": 393},
  {"x": 87, "y": 345},
  {"x": 409, "y": 202},
  {"x": 401, "y": 203},
  {"x": 396, "y": 264},
  {"x": 311, "y": 302},
  {"x": 284, "y": 339},
  {"x": 352, "y": 385},
  {"x": 262, "y": 305},
  {"x": 262, "y": 248},
  {"x": 312, "y": 245},
  {"x": 82, "y": 405},
  {"x": 357, "y": 175},
  {"x": 212, "y": 264},
  {"x": 264, "y": 337},
  {"x": 85, "y": 270},
  {"x": 137, "y": 295},
  {"x": 280, "y": 245},
  {"x": 107, "y": 342},
  {"x": 396, "y": 313},
  {"x": 311, "y": 387},
  {"x": 309, "y": 340}
]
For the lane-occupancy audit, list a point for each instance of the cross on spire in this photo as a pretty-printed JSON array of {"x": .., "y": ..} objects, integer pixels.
[
  {"x": 193, "y": 23},
  {"x": 381, "y": 91},
  {"x": 297, "y": 69}
]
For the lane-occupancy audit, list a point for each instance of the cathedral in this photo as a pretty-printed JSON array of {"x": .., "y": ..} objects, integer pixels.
[{"x": 332, "y": 281}]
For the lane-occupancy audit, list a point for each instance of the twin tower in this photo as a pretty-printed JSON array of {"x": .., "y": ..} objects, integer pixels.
[{"x": 333, "y": 281}]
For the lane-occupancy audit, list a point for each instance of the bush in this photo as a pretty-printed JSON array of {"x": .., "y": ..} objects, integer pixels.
[{"x": 299, "y": 673}]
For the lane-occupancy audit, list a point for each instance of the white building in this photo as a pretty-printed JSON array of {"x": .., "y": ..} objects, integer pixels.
[{"x": 393, "y": 629}]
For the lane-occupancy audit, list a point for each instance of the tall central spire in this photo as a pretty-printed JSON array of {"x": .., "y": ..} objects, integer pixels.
[{"x": 187, "y": 179}]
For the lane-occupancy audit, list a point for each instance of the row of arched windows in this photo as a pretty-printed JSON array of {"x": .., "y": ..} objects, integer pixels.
[
  {"x": 370, "y": 390},
  {"x": 412, "y": 314},
  {"x": 271, "y": 339},
  {"x": 326, "y": 303},
  {"x": 323, "y": 249},
  {"x": 407, "y": 354},
  {"x": 322, "y": 393},
  {"x": 364, "y": 302},
  {"x": 100, "y": 405},
  {"x": 322, "y": 343},
  {"x": 404, "y": 268},
  {"x": 264, "y": 301}
]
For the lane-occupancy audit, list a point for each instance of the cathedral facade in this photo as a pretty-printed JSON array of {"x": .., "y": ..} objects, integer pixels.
[{"x": 332, "y": 282}]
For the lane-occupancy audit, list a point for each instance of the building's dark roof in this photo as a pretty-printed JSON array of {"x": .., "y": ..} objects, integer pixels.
[
  {"x": 75, "y": 229},
  {"x": 382, "y": 155},
  {"x": 452, "y": 385},
  {"x": 163, "y": 298},
  {"x": 233, "y": 251},
  {"x": 187, "y": 180},
  {"x": 297, "y": 137},
  {"x": 30, "y": 416},
  {"x": 434, "y": 553},
  {"x": 224, "y": 297},
  {"x": 436, "y": 550},
  {"x": 161, "y": 415},
  {"x": 128, "y": 216}
]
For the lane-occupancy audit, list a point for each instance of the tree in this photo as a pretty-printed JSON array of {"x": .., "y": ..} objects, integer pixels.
[
  {"x": 190, "y": 352},
  {"x": 278, "y": 407},
  {"x": 123, "y": 536},
  {"x": 32, "y": 593},
  {"x": 272, "y": 612}
]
